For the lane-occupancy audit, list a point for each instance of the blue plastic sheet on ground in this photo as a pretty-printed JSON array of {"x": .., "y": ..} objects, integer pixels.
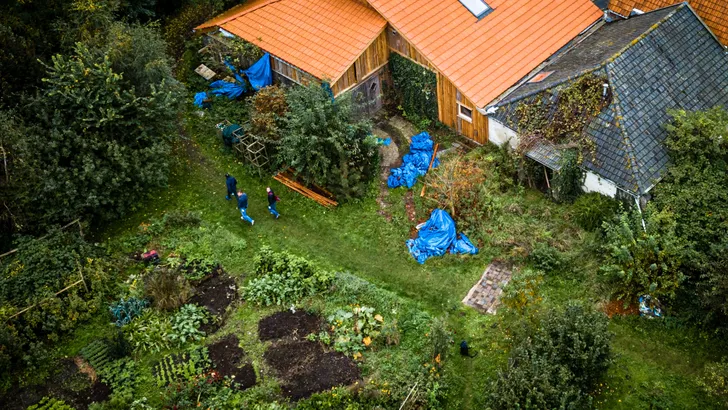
[
  {"x": 384, "y": 141},
  {"x": 415, "y": 163},
  {"x": 229, "y": 90},
  {"x": 438, "y": 236},
  {"x": 200, "y": 100},
  {"x": 260, "y": 74}
]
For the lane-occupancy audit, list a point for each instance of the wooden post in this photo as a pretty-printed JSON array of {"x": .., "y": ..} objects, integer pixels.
[
  {"x": 546, "y": 174},
  {"x": 432, "y": 161}
]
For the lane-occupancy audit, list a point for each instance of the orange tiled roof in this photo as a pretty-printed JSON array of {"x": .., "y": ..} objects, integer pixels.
[
  {"x": 484, "y": 58},
  {"x": 713, "y": 12},
  {"x": 321, "y": 37}
]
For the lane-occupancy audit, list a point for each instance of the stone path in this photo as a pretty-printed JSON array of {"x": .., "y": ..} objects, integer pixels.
[{"x": 485, "y": 295}]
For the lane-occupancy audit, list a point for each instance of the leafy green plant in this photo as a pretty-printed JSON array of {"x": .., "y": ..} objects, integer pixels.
[
  {"x": 186, "y": 324},
  {"x": 121, "y": 375},
  {"x": 98, "y": 354},
  {"x": 284, "y": 278},
  {"x": 546, "y": 258},
  {"x": 187, "y": 366},
  {"x": 125, "y": 310},
  {"x": 50, "y": 403},
  {"x": 523, "y": 293},
  {"x": 567, "y": 181},
  {"x": 167, "y": 288},
  {"x": 354, "y": 330},
  {"x": 593, "y": 209},
  {"x": 207, "y": 391},
  {"x": 440, "y": 338},
  {"x": 643, "y": 262},
  {"x": 149, "y": 333}
]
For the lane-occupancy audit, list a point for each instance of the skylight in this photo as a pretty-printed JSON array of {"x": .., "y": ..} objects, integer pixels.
[{"x": 478, "y": 7}]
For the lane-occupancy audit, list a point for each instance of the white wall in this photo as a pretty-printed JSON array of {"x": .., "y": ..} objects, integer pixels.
[
  {"x": 595, "y": 183},
  {"x": 499, "y": 133}
]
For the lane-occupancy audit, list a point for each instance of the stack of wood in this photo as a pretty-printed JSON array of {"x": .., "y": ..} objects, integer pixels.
[{"x": 286, "y": 178}]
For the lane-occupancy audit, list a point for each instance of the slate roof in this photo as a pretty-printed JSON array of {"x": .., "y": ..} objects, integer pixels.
[
  {"x": 713, "y": 12},
  {"x": 321, "y": 37},
  {"x": 483, "y": 58},
  {"x": 671, "y": 62}
]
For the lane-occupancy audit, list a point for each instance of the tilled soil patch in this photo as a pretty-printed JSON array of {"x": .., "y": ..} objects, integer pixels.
[
  {"x": 286, "y": 324},
  {"x": 215, "y": 293},
  {"x": 305, "y": 368},
  {"x": 226, "y": 355},
  {"x": 69, "y": 385}
]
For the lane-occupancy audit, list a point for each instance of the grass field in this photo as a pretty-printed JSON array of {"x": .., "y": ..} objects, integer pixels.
[{"x": 657, "y": 365}]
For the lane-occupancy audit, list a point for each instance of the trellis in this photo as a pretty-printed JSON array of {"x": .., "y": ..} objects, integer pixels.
[{"x": 249, "y": 147}]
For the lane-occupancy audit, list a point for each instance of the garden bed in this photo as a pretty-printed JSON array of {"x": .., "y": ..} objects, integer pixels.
[
  {"x": 226, "y": 355},
  {"x": 69, "y": 385},
  {"x": 287, "y": 324},
  {"x": 304, "y": 368},
  {"x": 215, "y": 293}
]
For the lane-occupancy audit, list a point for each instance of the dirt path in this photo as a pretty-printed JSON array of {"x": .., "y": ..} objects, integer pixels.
[{"x": 390, "y": 158}]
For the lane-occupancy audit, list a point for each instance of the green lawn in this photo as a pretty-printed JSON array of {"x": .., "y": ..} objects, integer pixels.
[{"x": 656, "y": 364}]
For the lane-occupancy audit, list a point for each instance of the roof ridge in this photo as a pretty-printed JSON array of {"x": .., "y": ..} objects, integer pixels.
[
  {"x": 642, "y": 36},
  {"x": 626, "y": 141},
  {"x": 245, "y": 11}
]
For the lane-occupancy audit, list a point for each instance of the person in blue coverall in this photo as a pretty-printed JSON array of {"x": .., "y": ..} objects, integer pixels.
[
  {"x": 272, "y": 201},
  {"x": 232, "y": 186},
  {"x": 243, "y": 206}
]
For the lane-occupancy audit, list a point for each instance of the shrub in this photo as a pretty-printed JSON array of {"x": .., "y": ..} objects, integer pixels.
[
  {"x": 557, "y": 363},
  {"x": 168, "y": 288},
  {"x": 440, "y": 338},
  {"x": 179, "y": 29},
  {"x": 567, "y": 181},
  {"x": 643, "y": 262},
  {"x": 593, "y": 209},
  {"x": 546, "y": 258},
  {"x": 325, "y": 146},
  {"x": 523, "y": 294},
  {"x": 715, "y": 379},
  {"x": 149, "y": 333},
  {"x": 354, "y": 330}
]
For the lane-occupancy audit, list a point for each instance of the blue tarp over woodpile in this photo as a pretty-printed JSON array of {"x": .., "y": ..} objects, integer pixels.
[
  {"x": 415, "y": 163},
  {"x": 438, "y": 236},
  {"x": 259, "y": 75}
]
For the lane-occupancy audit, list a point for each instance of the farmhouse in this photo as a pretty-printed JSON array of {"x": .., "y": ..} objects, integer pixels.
[
  {"x": 650, "y": 63},
  {"x": 485, "y": 57}
]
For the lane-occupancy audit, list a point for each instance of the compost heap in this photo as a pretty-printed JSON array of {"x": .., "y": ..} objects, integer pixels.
[
  {"x": 415, "y": 163},
  {"x": 259, "y": 75},
  {"x": 438, "y": 236}
]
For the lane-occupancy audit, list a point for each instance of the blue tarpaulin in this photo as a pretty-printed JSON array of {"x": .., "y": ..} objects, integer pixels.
[
  {"x": 415, "y": 163},
  {"x": 438, "y": 236},
  {"x": 229, "y": 90},
  {"x": 260, "y": 74},
  {"x": 200, "y": 100}
]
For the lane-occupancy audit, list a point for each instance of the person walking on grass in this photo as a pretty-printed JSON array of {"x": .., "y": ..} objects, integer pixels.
[
  {"x": 272, "y": 201},
  {"x": 243, "y": 206},
  {"x": 232, "y": 186}
]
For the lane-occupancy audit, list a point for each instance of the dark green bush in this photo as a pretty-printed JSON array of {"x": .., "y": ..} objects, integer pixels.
[
  {"x": 168, "y": 288},
  {"x": 567, "y": 181},
  {"x": 556, "y": 363},
  {"x": 593, "y": 209},
  {"x": 546, "y": 258}
]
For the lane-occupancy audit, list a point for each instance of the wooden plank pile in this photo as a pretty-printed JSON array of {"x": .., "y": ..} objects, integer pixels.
[{"x": 286, "y": 178}]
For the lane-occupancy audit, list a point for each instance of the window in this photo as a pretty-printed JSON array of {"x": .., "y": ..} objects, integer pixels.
[
  {"x": 465, "y": 113},
  {"x": 540, "y": 76},
  {"x": 478, "y": 7}
]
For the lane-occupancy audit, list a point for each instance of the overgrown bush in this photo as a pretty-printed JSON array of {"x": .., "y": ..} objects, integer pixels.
[
  {"x": 556, "y": 363},
  {"x": 267, "y": 118},
  {"x": 523, "y": 293},
  {"x": 643, "y": 262},
  {"x": 546, "y": 258},
  {"x": 593, "y": 209},
  {"x": 325, "y": 146},
  {"x": 567, "y": 181}
]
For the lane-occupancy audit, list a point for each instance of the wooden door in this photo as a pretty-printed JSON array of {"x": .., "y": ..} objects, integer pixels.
[{"x": 367, "y": 96}]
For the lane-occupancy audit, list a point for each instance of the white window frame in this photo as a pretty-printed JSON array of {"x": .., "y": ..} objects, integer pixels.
[{"x": 463, "y": 116}]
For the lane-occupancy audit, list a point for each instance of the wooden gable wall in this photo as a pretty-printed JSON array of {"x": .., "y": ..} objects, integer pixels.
[{"x": 371, "y": 60}]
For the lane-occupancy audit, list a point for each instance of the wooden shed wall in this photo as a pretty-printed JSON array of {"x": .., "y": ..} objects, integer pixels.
[
  {"x": 447, "y": 102},
  {"x": 399, "y": 44},
  {"x": 373, "y": 58}
]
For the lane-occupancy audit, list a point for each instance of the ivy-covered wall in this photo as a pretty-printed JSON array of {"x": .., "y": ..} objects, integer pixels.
[{"x": 414, "y": 86}]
